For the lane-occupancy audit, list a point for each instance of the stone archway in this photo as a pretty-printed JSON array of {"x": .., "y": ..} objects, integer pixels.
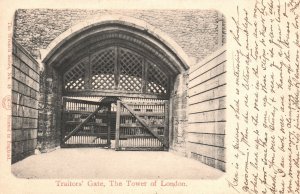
[{"x": 120, "y": 33}]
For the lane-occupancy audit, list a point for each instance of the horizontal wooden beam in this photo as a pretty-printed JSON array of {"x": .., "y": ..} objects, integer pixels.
[
  {"x": 81, "y": 101},
  {"x": 84, "y": 145},
  {"x": 88, "y": 134},
  {"x": 137, "y": 125},
  {"x": 87, "y": 124},
  {"x": 141, "y": 149},
  {"x": 140, "y": 136},
  {"x": 85, "y": 112},
  {"x": 117, "y": 93},
  {"x": 145, "y": 103},
  {"x": 151, "y": 114}
]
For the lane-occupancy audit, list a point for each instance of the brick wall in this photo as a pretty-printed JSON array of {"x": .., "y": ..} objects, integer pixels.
[
  {"x": 25, "y": 76},
  {"x": 207, "y": 110},
  {"x": 36, "y": 28}
]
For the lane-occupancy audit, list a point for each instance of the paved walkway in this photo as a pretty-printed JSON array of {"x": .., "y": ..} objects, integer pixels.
[{"x": 108, "y": 164}]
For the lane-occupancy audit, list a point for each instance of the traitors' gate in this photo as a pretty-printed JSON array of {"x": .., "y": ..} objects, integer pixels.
[{"x": 133, "y": 123}]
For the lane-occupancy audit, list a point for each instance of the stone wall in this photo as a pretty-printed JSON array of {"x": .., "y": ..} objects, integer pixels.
[
  {"x": 207, "y": 110},
  {"x": 49, "y": 110},
  {"x": 196, "y": 31},
  {"x": 179, "y": 115},
  {"x": 25, "y": 76}
]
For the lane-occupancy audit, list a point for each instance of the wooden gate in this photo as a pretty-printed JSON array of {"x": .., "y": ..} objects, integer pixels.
[
  {"x": 142, "y": 125},
  {"x": 127, "y": 123},
  {"x": 86, "y": 123}
]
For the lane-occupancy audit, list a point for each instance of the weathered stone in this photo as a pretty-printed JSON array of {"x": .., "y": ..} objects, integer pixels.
[{"x": 184, "y": 26}]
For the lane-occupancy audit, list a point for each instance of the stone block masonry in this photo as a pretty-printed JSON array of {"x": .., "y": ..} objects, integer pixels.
[
  {"x": 207, "y": 116},
  {"x": 179, "y": 120},
  {"x": 49, "y": 111},
  {"x": 36, "y": 28},
  {"x": 25, "y": 89}
]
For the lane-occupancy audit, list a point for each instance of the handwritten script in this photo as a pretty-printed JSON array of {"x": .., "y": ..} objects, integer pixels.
[{"x": 266, "y": 105}]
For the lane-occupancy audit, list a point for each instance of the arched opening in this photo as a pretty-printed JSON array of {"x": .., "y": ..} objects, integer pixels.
[{"x": 120, "y": 59}]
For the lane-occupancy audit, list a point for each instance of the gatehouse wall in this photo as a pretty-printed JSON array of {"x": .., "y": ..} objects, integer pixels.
[
  {"x": 195, "y": 31},
  {"x": 25, "y": 96},
  {"x": 207, "y": 110}
]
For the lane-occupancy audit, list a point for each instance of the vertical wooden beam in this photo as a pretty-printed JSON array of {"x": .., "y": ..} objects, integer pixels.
[
  {"x": 145, "y": 76},
  {"x": 109, "y": 125},
  {"x": 117, "y": 67},
  {"x": 118, "y": 125},
  {"x": 88, "y": 73},
  {"x": 170, "y": 87},
  {"x": 166, "y": 127},
  {"x": 220, "y": 29},
  {"x": 63, "y": 121},
  {"x": 170, "y": 116}
]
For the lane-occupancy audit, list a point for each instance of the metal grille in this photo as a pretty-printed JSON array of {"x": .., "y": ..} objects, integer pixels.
[
  {"x": 131, "y": 71},
  {"x": 157, "y": 80},
  {"x": 74, "y": 77},
  {"x": 103, "y": 69}
]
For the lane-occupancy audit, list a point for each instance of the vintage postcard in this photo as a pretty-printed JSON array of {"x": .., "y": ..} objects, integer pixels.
[{"x": 150, "y": 97}]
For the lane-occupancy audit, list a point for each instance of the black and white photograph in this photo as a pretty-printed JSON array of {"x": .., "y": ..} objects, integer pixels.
[{"x": 118, "y": 94}]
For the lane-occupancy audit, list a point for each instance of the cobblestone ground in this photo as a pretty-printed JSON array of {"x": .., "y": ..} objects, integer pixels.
[{"x": 107, "y": 164}]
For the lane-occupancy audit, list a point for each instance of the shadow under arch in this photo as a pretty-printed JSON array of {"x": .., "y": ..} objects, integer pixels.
[{"x": 116, "y": 27}]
